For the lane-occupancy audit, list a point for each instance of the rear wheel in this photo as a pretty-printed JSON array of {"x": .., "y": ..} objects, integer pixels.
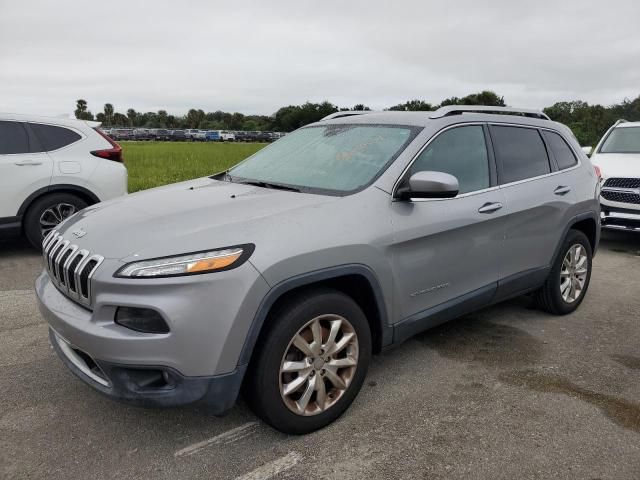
[
  {"x": 311, "y": 364},
  {"x": 568, "y": 281},
  {"x": 48, "y": 212}
]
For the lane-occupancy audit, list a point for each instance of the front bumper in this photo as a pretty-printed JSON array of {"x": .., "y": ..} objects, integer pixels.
[
  {"x": 619, "y": 218},
  {"x": 149, "y": 386},
  {"x": 197, "y": 361}
]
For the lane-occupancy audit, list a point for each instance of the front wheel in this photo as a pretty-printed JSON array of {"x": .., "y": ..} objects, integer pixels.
[
  {"x": 47, "y": 212},
  {"x": 569, "y": 278},
  {"x": 312, "y": 362}
]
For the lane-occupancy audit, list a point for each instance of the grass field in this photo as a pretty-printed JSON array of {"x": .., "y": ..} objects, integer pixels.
[{"x": 151, "y": 164}]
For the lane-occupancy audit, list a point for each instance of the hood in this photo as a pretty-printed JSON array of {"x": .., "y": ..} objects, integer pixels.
[
  {"x": 618, "y": 164},
  {"x": 184, "y": 217}
]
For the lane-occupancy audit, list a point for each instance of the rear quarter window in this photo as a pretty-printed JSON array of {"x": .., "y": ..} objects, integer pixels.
[
  {"x": 53, "y": 137},
  {"x": 561, "y": 151},
  {"x": 520, "y": 153}
]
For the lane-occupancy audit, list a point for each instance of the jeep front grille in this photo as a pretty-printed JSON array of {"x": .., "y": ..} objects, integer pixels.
[{"x": 70, "y": 268}]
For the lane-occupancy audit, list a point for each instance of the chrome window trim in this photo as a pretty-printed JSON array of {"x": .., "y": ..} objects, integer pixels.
[
  {"x": 499, "y": 186},
  {"x": 550, "y": 174},
  {"x": 422, "y": 149}
]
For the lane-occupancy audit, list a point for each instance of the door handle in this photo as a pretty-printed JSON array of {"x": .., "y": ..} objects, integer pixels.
[
  {"x": 490, "y": 207},
  {"x": 562, "y": 190},
  {"x": 27, "y": 163}
]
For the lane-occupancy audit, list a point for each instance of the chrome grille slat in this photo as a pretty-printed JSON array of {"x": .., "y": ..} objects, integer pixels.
[
  {"x": 56, "y": 261},
  {"x": 65, "y": 268},
  {"x": 59, "y": 256}
]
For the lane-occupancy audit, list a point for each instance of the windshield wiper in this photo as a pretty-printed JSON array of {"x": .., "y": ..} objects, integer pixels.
[{"x": 275, "y": 186}]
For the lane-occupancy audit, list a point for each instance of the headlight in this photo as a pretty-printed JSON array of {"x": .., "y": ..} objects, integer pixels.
[{"x": 188, "y": 264}]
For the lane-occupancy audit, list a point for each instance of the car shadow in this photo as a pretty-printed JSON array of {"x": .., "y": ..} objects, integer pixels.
[{"x": 620, "y": 241}]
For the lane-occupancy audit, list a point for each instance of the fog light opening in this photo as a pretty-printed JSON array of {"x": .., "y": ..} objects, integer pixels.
[{"x": 143, "y": 320}]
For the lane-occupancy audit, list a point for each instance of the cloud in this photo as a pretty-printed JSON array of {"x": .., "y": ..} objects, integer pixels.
[{"x": 254, "y": 57}]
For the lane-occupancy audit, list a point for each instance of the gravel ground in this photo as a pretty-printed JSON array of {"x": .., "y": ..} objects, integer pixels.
[{"x": 508, "y": 392}]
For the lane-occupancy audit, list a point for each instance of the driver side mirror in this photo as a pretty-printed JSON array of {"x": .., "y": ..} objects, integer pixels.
[
  {"x": 587, "y": 151},
  {"x": 429, "y": 185}
]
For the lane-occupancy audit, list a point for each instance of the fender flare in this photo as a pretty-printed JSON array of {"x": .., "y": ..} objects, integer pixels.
[
  {"x": 59, "y": 187},
  {"x": 307, "y": 279},
  {"x": 592, "y": 215}
]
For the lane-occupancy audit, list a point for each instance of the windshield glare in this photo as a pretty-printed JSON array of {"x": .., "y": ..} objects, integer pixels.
[
  {"x": 622, "y": 140},
  {"x": 340, "y": 158}
]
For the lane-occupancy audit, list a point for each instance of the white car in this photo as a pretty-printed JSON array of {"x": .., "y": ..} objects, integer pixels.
[
  {"x": 50, "y": 168},
  {"x": 617, "y": 156},
  {"x": 226, "y": 136}
]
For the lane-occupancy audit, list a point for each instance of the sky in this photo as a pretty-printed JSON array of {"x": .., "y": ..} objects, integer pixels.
[{"x": 256, "y": 56}]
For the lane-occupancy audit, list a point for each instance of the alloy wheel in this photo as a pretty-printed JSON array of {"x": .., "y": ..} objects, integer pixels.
[
  {"x": 318, "y": 365},
  {"x": 573, "y": 273},
  {"x": 53, "y": 215}
]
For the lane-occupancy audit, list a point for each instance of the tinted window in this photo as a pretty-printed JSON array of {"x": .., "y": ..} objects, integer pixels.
[
  {"x": 461, "y": 152},
  {"x": 520, "y": 152},
  {"x": 53, "y": 138},
  {"x": 562, "y": 152},
  {"x": 13, "y": 138}
]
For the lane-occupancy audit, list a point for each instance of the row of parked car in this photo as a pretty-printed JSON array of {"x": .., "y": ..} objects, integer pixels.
[{"x": 193, "y": 135}]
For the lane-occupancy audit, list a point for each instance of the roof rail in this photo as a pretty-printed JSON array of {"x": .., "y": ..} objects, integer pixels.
[
  {"x": 460, "y": 109},
  {"x": 345, "y": 114},
  {"x": 619, "y": 121}
]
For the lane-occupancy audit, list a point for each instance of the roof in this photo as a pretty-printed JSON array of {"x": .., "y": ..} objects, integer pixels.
[
  {"x": 627, "y": 124},
  {"x": 70, "y": 122},
  {"x": 450, "y": 114}
]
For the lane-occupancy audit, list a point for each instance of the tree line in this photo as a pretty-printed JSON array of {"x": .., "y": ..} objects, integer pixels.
[{"x": 588, "y": 122}]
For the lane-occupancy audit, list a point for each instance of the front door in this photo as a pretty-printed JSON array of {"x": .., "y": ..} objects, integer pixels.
[
  {"x": 24, "y": 168},
  {"x": 447, "y": 251}
]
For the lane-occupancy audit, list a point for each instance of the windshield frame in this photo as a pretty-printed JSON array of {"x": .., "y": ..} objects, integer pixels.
[
  {"x": 606, "y": 138},
  {"x": 414, "y": 130}
]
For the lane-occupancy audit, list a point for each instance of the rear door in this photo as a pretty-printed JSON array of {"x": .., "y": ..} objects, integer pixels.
[
  {"x": 539, "y": 198},
  {"x": 24, "y": 166},
  {"x": 70, "y": 164},
  {"x": 449, "y": 250}
]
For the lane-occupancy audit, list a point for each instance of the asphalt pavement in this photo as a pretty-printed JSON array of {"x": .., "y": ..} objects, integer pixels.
[{"x": 505, "y": 393}]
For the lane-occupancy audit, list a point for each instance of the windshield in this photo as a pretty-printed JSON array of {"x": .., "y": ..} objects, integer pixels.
[
  {"x": 622, "y": 140},
  {"x": 338, "y": 158}
]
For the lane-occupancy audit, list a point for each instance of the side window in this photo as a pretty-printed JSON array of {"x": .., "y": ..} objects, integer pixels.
[
  {"x": 520, "y": 152},
  {"x": 13, "y": 138},
  {"x": 461, "y": 152},
  {"x": 562, "y": 151},
  {"x": 52, "y": 137}
]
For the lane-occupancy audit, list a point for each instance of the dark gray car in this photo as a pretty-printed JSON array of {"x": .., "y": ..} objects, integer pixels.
[{"x": 283, "y": 275}]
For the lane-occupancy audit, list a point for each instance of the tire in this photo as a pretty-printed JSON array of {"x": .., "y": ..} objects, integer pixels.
[
  {"x": 265, "y": 380},
  {"x": 550, "y": 296},
  {"x": 58, "y": 206}
]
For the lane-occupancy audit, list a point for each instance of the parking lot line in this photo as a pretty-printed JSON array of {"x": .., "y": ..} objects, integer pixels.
[
  {"x": 273, "y": 468},
  {"x": 229, "y": 436}
]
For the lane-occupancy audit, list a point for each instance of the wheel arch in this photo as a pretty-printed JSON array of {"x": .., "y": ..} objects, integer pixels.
[
  {"x": 589, "y": 227},
  {"x": 357, "y": 281},
  {"x": 81, "y": 192},
  {"x": 587, "y": 223}
]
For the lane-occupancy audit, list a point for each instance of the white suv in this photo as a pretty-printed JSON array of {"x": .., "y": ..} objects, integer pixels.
[
  {"x": 617, "y": 156},
  {"x": 51, "y": 168}
]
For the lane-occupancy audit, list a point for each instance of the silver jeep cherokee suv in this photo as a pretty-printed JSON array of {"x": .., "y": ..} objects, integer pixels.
[{"x": 282, "y": 275}]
